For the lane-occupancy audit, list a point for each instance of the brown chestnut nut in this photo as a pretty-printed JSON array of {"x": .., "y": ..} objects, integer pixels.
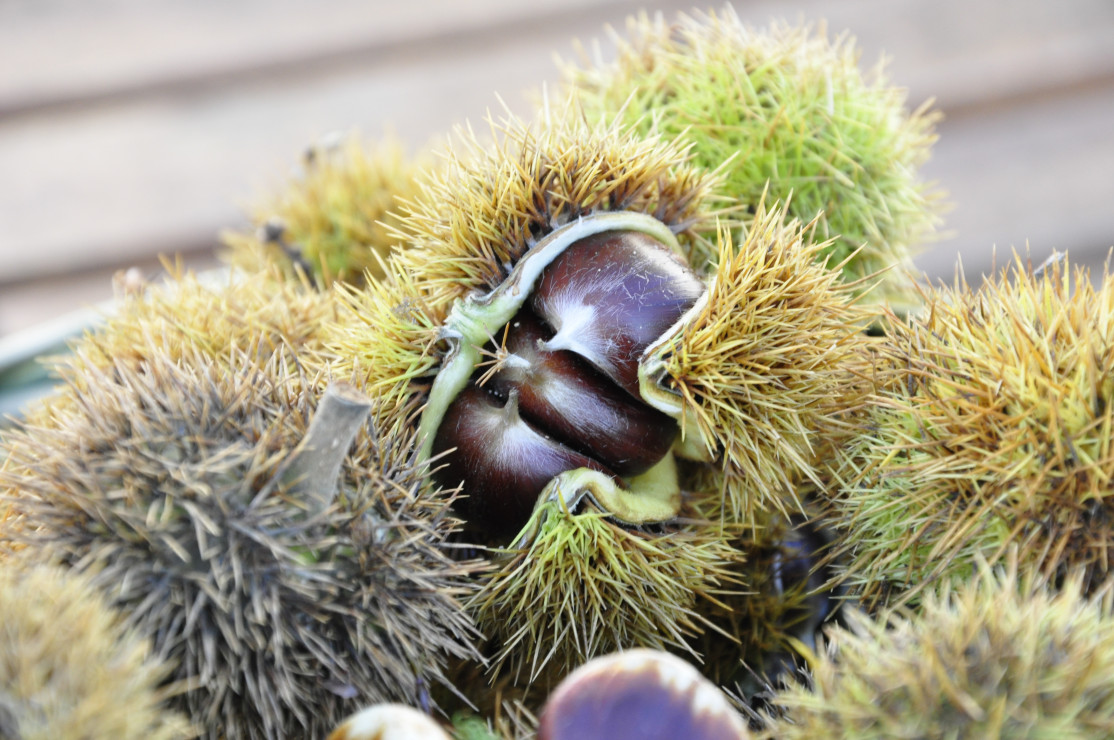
[
  {"x": 502, "y": 462},
  {"x": 639, "y": 694},
  {"x": 568, "y": 398},
  {"x": 610, "y": 296}
]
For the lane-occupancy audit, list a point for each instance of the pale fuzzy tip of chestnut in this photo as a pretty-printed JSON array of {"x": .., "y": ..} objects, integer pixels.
[
  {"x": 389, "y": 722},
  {"x": 641, "y": 693}
]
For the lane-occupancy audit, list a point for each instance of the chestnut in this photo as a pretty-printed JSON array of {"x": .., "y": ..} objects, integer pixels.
[
  {"x": 560, "y": 392},
  {"x": 503, "y": 462},
  {"x": 611, "y": 295},
  {"x": 389, "y": 722},
  {"x": 639, "y": 694}
]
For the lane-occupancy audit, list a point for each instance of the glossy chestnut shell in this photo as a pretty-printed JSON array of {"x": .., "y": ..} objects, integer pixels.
[
  {"x": 611, "y": 295},
  {"x": 500, "y": 459},
  {"x": 560, "y": 392},
  {"x": 639, "y": 694}
]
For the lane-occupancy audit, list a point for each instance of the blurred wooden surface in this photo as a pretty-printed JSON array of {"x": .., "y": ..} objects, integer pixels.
[{"x": 130, "y": 128}]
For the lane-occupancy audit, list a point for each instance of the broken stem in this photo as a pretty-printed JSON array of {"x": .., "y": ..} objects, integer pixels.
[{"x": 314, "y": 472}]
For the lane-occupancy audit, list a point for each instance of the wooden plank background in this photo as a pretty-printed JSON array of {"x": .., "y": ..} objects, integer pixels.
[{"x": 131, "y": 128}]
